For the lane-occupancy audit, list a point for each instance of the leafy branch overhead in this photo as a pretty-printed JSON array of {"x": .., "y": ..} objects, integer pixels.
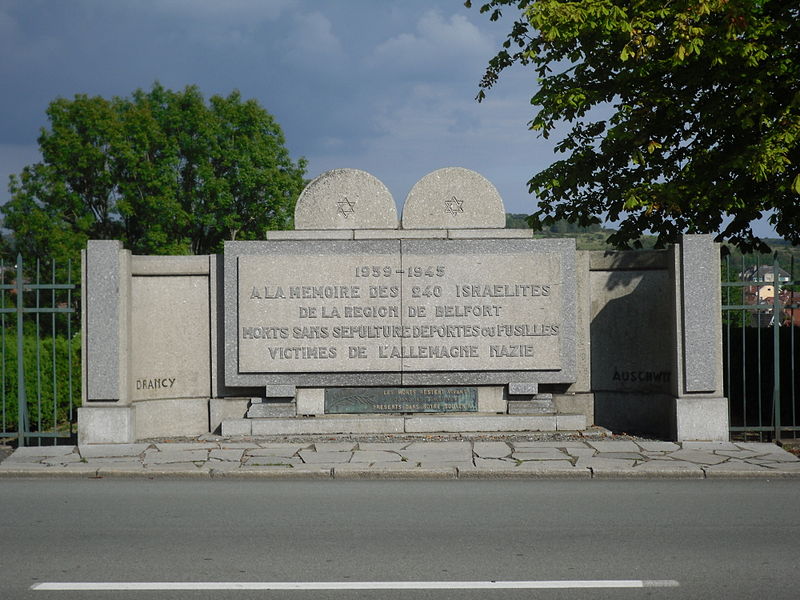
[
  {"x": 164, "y": 171},
  {"x": 674, "y": 116}
]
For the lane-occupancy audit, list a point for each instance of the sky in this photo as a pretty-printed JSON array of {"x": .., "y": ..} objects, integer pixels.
[{"x": 385, "y": 86}]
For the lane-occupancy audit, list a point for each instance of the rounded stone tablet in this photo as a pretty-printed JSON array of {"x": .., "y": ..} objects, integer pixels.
[
  {"x": 345, "y": 199},
  {"x": 454, "y": 198}
]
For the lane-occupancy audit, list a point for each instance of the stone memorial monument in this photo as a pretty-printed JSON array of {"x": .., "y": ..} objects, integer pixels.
[{"x": 352, "y": 323}]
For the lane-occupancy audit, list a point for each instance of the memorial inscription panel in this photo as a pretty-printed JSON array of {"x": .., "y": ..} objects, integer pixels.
[
  {"x": 400, "y": 306},
  {"x": 317, "y": 313}
]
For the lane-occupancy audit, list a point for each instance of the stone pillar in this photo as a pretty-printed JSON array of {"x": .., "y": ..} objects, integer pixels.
[
  {"x": 701, "y": 410},
  {"x": 106, "y": 415}
]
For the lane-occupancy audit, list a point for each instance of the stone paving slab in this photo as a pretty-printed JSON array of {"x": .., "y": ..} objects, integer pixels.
[
  {"x": 41, "y": 451},
  {"x": 167, "y": 456},
  {"x": 581, "y": 452},
  {"x": 235, "y": 445},
  {"x": 180, "y": 446},
  {"x": 614, "y": 446},
  {"x": 564, "y": 444},
  {"x": 551, "y": 466},
  {"x": 407, "y": 459},
  {"x": 224, "y": 465},
  {"x": 24, "y": 459},
  {"x": 658, "y": 446},
  {"x": 736, "y": 466},
  {"x": 491, "y": 449},
  {"x": 176, "y": 467},
  {"x": 111, "y": 450},
  {"x": 228, "y": 454},
  {"x": 780, "y": 457},
  {"x": 762, "y": 447},
  {"x": 385, "y": 446},
  {"x": 449, "y": 445},
  {"x": 59, "y": 461},
  {"x": 436, "y": 455},
  {"x": 495, "y": 463},
  {"x": 335, "y": 446},
  {"x": 709, "y": 446},
  {"x": 740, "y": 454},
  {"x": 540, "y": 454},
  {"x": 293, "y": 448},
  {"x": 701, "y": 457},
  {"x": 115, "y": 460},
  {"x": 325, "y": 457},
  {"x": 287, "y": 452},
  {"x": 266, "y": 461},
  {"x": 613, "y": 464},
  {"x": 623, "y": 455},
  {"x": 375, "y": 456}
]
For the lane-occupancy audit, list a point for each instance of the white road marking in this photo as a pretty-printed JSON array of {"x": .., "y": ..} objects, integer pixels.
[{"x": 352, "y": 585}]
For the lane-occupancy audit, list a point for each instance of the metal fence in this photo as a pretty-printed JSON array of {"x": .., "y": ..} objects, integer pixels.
[
  {"x": 39, "y": 376},
  {"x": 761, "y": 333}
]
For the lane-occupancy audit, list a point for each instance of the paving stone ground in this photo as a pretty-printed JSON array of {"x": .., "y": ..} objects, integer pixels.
[{"x": 433, "y": 458}]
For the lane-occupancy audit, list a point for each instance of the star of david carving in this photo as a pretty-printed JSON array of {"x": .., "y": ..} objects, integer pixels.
[
  {"x": 346, "y": 207},
  {"x": 454, "y": 206}
]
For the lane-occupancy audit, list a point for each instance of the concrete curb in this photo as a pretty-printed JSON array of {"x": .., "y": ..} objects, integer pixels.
[
  {"x": 46, "y": 473},
  {"x": 338, "y": 473},
  {"x": 524, "y": 474},
  {"x": 396, "y": 474},
  {"x": 599, "y": 473}
]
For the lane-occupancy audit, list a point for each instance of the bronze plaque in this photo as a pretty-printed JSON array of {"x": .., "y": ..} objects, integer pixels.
[{"x": 400, "y": 400}]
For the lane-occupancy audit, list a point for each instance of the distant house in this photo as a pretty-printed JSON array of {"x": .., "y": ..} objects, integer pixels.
[
  {"x": 791, "y": 308},
  {"x": 762, "y": 291},
  {"x": 764, "y": 274}
]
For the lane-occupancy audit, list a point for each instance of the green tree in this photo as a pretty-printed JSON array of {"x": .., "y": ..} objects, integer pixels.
[
  {"x": 683, "y": 116},
  {"x": 163, "y": 171}
]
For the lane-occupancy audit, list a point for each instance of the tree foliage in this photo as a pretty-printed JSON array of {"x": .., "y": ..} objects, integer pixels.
[
  {"x": 163, "y": 171},
  {"x": 683, "y": 116}
]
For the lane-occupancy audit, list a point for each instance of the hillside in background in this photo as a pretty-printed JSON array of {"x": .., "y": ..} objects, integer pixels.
[{"x": 594, "y": 238}]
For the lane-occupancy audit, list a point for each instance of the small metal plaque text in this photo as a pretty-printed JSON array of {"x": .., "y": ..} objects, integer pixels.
[{"x": 400, "y": 400}]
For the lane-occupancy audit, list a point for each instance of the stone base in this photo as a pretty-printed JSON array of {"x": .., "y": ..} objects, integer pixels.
[
  {"x": 701, "y": 419},
  {"x": 539, "y": 404},
  {"x": 263, "y": 410},
  {"x": 452, "y": 423},
  {"x": 105, "y": 425},
  {"x": 576, "y": 403},
  {"x": 220, "y": 409},
  {"x": 648, "y": 415},
  {"x": 175, "y": 417}
]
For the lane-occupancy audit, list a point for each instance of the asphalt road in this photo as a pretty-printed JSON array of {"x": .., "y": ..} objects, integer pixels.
[{"x": 717, "y": 539}]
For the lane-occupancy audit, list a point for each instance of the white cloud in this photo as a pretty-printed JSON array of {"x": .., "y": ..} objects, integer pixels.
[
  {"x": 224, "y": 12},
  {"x": 437, "y": 41},
  {"x": 312, "y": 43}
]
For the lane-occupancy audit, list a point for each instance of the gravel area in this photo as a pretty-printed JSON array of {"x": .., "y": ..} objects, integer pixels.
[{"x": 5, "y": 452}]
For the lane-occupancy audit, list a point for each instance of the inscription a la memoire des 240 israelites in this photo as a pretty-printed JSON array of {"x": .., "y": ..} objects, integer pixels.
[{"x": 430, "y": 313}]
